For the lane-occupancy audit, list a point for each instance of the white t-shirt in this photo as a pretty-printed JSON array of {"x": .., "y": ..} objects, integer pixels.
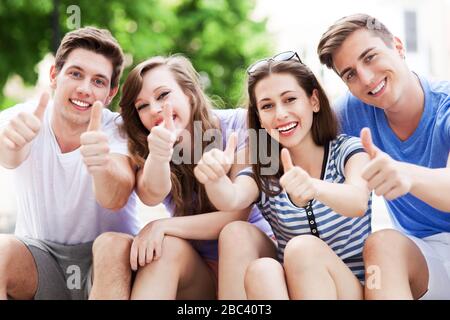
[{"x": 55, "y": 198}]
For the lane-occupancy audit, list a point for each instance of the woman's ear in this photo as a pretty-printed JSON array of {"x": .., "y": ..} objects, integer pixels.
[{"x": 315, "y": 102}]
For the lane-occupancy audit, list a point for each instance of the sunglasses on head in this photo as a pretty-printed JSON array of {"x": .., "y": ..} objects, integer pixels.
[{"x": 284, "y": 56}]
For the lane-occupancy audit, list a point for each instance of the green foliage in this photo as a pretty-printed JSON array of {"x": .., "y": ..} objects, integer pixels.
[{"x": 217, "y": 35}]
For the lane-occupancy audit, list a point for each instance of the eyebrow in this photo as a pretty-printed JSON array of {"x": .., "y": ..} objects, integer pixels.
[
  {"x": 97, "y": 75},
  {"x": 282, "y": 94},
  {"x": 361, "y": 56}
]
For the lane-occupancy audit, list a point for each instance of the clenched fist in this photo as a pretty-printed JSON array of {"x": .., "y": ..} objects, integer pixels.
[
  {"x": 94, "y": 143},
  {"x": 162, "y": 138},
  {"x": 216, "y": 163},
  {"x": 385, "y": 175},
  {"x": 24, "y": 127},
  {"x": 297, "y": 183}
]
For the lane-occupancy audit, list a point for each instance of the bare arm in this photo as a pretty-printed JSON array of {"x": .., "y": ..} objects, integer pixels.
[
  {"x": 391, "y": 178},
  {"x": 113, "y": 186},
  {"x": 153, "y": 181},
  {"x": 226, "y": 193},
  {"x": 350, "y": 198},
  {"x": 431, "y": 185}
]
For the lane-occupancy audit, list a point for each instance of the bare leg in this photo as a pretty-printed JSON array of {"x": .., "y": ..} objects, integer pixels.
[
  {"x": 264, "y": 280},
  {"x": 179, "y": 273},
  {"x": 18, "y": 271},
  {"x": 314, "y": 271},
  {"x": 402, "y": 268},
  {"x": 111, "y": 266},
  {"x": 240, "y": 243}
]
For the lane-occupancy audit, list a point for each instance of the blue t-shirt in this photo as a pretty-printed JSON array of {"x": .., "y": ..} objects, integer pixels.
[{"x": 428, "y": 146}]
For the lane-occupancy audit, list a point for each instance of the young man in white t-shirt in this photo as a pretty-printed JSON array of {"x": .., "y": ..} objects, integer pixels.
[{"x": 72, "y": 172}]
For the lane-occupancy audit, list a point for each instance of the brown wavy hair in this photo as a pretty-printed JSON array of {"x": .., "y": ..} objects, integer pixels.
[
  {"x": 188, "y": 195},
  {"x": 324, "y": 125}
]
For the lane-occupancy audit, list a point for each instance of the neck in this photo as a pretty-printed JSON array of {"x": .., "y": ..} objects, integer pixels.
[
  {"x": 67, "y": 134},
  {"x": 404, "y": 117},
  {"x": 308, "y": 156}
]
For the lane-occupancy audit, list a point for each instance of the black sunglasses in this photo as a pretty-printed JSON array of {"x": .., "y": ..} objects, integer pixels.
[{"x": 284, "y": 56}]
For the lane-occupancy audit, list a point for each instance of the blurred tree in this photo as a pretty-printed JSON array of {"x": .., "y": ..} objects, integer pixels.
[{"x": 218, "y": 35}]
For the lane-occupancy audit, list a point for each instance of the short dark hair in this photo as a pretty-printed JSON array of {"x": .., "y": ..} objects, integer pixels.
[
  {"x": 333, "y": 38},
  {"x": 97, "y": 40}
]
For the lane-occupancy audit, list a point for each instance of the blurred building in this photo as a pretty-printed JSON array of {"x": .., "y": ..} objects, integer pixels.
[{"x": 423, "y": 26}]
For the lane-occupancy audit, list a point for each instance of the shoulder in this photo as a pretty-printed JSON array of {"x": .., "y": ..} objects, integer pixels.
[
  {"x": 439, "y": 93},
  {"x": 231, "y": 117},
  {"x": 344, "y": 145},
  {"x": 111, "y": 119}
]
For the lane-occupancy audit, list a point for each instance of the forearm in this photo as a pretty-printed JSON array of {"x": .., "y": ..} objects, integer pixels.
[
  {"x": 154, "y": 182},
  {"x": 345, "y": 199},
  {"x": 430, "y": 185},
  {"x": 222, "y": 194},
  {"x": 113, "y": 186},
  {"x": 205, "y": 226}
]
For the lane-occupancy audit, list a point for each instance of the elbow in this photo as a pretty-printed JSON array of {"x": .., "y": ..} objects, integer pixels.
[
  {"x": 361, "y": 207},
  {"x": 115, "y": 206},
  {"x": 151, "y": 199}
]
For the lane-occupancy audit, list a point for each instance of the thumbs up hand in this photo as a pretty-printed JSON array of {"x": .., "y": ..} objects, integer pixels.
[
  {"x": 163, "y": 137},
  {"x": 216, "y": 163},
  {"x": 388, "y": 177},
  {"x": 94, "y": 143},
  {"x": 296, "y": 182},
  {"x": 24, "y": 127}
]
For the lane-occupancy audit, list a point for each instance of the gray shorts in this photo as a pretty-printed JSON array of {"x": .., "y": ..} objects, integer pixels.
[{"x": 64, "y": 271}]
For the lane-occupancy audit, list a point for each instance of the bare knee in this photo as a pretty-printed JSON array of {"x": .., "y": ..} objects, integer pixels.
[
  {"x": 260, "y": 269},
  {"x": 111, "y": 247},
  {"x": 9, "y": 248},
  {"x": 304, "y": 251},
  {"x": 384, "y": 243},
  {"x": 174, "y": 248},
  {"x": 237, "y": 235},
  {"x": 18, "y": 273}
]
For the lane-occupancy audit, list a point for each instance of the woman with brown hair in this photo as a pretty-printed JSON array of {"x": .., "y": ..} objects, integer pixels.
[
  {"x": 168, "y": 117},
  {"x": 317, "y": 203}
]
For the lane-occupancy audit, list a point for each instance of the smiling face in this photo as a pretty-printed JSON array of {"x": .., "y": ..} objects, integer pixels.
[
  {"x": 285, "y": 110},
  {"x": 373, "y": 72},
  {"x": 84, "y": 79},
  {"x": 160, "y": 88}
]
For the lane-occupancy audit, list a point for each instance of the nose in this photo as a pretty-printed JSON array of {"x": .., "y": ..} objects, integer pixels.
[
  {"x": 281, "y": 112},
  {"x": 155, "y": 109},
  {"x": 366, "y": 75},
  {"x": 84, "y": 87}
]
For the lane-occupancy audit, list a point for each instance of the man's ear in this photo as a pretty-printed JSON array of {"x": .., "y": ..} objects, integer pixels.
[
  {"x": 111, "y": 95},
  {"x": 53, "y": 74},
  {"x": 399, "y": 47},
  {"x": 315, "y": 102}
]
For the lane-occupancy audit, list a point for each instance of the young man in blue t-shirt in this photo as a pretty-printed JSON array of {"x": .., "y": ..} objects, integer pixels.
[{"x": 408, "y": 118}]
